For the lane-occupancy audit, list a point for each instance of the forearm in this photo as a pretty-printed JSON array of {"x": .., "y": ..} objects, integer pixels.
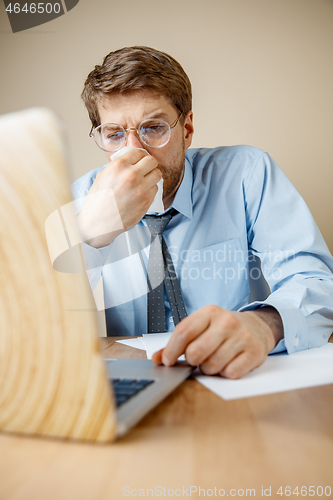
[{"x": 94, "y": 232}]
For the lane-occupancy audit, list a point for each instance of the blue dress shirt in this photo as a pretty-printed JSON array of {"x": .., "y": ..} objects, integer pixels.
[{"x": 237, "y": 210}]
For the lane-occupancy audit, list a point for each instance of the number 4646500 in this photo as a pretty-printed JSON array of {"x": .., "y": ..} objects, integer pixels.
[
  {"x": 34, "y": 8},
  {"x": 305, "y": 491}
]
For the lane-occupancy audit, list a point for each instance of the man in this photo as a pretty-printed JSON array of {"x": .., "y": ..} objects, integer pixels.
[{"x": 222, "y": 208}]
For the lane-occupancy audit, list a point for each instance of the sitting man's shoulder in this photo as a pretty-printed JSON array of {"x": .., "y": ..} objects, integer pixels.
[{"x": 197, "y": 155}]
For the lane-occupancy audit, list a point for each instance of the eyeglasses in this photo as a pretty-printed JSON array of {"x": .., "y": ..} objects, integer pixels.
[{"x": 154, "y": 133}]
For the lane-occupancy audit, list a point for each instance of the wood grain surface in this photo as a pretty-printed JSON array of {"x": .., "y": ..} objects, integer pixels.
[
  {"x": 193, "y": 438},
  {"x": 52, "y": 378}
]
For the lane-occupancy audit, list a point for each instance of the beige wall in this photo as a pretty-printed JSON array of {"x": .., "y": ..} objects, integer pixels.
[{"x": 261, "y": 71}]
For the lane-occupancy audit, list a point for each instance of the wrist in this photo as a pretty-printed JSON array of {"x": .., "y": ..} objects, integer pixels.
[
  {"x": 273, "y": 320},
  {"x": 93, "y": 235}
]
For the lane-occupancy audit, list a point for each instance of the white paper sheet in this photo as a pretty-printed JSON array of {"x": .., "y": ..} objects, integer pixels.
[
  {"x": 151, "y": 342},
  {"x": 280, "y": 372},
  {"x": 155, "y": 341},
  {"x": 135, "y": 342}
]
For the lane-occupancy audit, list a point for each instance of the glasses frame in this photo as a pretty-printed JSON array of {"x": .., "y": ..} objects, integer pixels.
[{"x": 137, "y": 130}]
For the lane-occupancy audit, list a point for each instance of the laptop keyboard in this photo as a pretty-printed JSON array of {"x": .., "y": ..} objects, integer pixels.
[{"x": 126, "y": 388}]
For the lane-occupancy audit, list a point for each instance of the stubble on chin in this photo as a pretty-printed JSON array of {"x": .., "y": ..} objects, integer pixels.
[{"x": 173, "y": 173}]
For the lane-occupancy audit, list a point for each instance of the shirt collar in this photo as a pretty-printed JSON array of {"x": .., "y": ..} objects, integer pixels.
[{"x": 183, "y": 198}]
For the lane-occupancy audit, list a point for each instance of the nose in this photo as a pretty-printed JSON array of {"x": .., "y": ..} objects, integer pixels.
[{"x": 133, "y": 139}]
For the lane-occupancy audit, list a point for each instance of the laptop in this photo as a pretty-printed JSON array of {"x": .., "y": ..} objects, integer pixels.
[{"x": 53, "y": 378}]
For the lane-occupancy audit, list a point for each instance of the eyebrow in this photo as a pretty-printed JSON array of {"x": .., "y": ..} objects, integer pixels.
[{"x": 161, "y": 114}]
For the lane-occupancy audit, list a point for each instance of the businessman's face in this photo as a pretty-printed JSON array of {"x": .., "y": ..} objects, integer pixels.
[{"x": 130, "y": 110}]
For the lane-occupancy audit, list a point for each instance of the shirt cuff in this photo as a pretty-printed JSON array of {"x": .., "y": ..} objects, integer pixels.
[
  {"x": 94, "y": 260},
  {"x": 296, "y": 337},
  {"x": 95, "y": 257}
]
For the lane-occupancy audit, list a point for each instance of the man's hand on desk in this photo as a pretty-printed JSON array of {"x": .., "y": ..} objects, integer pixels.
[{"x": 224, "y": 342}]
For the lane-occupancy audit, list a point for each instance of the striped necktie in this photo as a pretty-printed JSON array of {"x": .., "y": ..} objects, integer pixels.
[{"x": 161, "y": 272}]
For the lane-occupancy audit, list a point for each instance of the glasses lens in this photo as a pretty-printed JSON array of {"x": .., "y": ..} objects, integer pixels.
[
  {"x": 110, "y": 136},
  {"x": 155, "y": 133}
]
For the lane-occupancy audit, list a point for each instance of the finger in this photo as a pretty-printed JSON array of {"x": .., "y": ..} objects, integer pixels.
[
  {"x": 142, "y": 164},
  {"x": 152, "y": 178},
  {"x": 223, "y": 324},
  {"x": 157, "y": 357},
  {"x": 184, "y": 333},
  {"x": 129, "y": 158},
  {"x": 219, "y": 359},
  {"x": 205, "y": 344},
  {"x": 241, "y": 365},
  {"x": 146, "y": 165},
  {"x": 132, "y": 156},
  {"x": 250, "y": 353}
]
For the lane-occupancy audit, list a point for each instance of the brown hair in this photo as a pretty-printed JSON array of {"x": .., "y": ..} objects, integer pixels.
[{"x": 137, "y": 68}]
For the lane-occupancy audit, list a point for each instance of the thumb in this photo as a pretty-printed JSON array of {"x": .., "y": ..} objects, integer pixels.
[{"x": 157, "y": 357}]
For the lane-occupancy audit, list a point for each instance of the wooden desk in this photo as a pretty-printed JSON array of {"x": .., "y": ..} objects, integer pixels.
[{"x": 192, "y": 439}]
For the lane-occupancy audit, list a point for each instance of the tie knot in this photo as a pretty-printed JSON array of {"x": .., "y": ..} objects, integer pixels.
[{"x": 157, "y": 223}]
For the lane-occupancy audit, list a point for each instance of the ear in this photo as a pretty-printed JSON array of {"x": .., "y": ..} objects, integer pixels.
[{"x": 188, "y": 129}]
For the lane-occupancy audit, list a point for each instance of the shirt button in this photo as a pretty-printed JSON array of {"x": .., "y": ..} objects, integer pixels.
[
  {"x": 296, "y": 342},
  {"x": 171, "y": 319}
]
